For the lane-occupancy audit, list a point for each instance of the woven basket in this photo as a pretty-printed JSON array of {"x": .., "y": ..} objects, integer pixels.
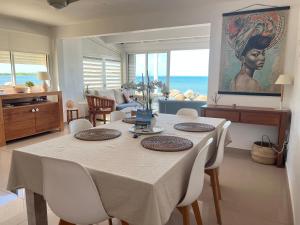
[{"x": 263, "y": 151}]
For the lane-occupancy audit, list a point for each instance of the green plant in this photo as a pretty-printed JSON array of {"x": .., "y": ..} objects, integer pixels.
[{"x": 29, "y": 84}]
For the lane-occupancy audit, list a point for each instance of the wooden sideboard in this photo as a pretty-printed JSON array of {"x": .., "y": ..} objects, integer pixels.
[
  {"x": 254, "y": 115},
  {"x": 26, "y": 114}
]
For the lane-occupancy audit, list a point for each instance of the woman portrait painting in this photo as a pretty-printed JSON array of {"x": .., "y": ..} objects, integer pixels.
[{"x": 254, "y": 41}]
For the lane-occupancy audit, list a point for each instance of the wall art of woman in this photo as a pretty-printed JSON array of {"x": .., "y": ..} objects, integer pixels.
[{"x": 251, "y": 36}]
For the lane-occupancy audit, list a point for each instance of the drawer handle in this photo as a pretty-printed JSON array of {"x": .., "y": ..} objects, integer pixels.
[
  {"x": 33, "y": 110},
  {"x": 37, "y": 109}
]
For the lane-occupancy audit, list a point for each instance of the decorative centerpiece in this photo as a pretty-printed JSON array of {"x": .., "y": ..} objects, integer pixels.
[{"x": 145, "y": 118}]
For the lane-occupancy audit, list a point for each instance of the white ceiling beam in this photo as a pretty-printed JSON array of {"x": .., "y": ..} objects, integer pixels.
[{"x": 175, "y": 33}]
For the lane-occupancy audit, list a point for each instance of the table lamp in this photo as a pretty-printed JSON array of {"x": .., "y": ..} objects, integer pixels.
[
  {"x": 44, "y": 76},
  {"x": 282, "y": 80}
]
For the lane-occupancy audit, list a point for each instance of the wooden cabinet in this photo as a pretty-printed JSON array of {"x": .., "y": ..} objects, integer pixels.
[
  {"x": 254, "y": 115},
  {"x": 18, "y": 122},
  {"x": 25, "y": 120}
]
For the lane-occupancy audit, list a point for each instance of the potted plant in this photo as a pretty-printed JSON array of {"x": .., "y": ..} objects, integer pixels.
[{"x": 29, "y": 85}]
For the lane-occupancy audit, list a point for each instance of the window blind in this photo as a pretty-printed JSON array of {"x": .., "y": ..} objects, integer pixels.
[
  {"x": 4, "y": 57},
  {"x": 93, "y": 72},
  {"x": 30, "y": 58},
  {"x": 112, "y": 74}
]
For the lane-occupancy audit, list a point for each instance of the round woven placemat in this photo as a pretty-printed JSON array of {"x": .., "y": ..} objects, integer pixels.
[
  {"x": 130, "y": 120},
  {"x": 99, "y": 134},
  {"x": 194, "y": 127},
  {"x": 166, "y": 143}
]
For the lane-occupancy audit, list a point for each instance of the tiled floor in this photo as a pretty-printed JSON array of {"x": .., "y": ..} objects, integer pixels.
[{"x": 253, "y": 194}]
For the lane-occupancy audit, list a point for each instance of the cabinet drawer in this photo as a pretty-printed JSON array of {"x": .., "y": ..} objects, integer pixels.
[
  {"x": 18, "y": 122},
  {"x": 229, "y": 115},
  {"x": 263, "y": 118}
]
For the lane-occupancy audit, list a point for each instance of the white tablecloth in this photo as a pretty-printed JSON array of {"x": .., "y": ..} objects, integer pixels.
[{"x": 137, "y": 185}]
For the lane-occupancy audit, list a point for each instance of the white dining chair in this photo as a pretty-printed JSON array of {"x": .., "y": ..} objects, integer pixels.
[
  {"x": 79, "y": 125},
  {"x": 212, "y": 169},
  {"x": 193, "y": 113},
  {"x": 117, "y": 115},
  {"x": 195, "y": 186},
  {"x": 71, "y": 193}
]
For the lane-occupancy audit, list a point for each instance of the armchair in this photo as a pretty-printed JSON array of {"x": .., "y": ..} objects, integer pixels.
[{"x": 99, "y": 106}]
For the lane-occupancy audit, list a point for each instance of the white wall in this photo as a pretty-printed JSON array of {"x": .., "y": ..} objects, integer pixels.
[
  {"x": 70, "y": 53},
  {"x": 293, "y": 165},
  {"x": 26, "y": 36}
]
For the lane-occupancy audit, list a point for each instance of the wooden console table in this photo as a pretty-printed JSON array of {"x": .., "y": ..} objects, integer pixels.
[
  {"x": 254, "y": 115},
  {"x": 26, "y": 114}
]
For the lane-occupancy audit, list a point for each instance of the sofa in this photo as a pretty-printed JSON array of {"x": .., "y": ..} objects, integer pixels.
[
  {"x": 172, "y": 106},
  {"x": 120, "y": 97}
]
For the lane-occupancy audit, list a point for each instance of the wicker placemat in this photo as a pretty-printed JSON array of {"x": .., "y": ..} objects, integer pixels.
[
  {"x": 130, "y": 120},
  {"x": 166, "y": 143},
  {"x": 194, "y": 127},
  {"x": 99, "y": 134}
]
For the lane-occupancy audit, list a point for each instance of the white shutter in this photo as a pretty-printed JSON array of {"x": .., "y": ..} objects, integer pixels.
[
  {"x": 4, "y": 57},
  {"x": 112, "y": 74},
  {"x": 93, "y": 72},
  {"x": 30, "y": 58},
  {"x": 131, "y": 67}
]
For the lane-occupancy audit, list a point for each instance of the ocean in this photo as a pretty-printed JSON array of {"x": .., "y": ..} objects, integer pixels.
[
  {"x": 21, "y": 79},
  {"x": 199, "y": 84}
]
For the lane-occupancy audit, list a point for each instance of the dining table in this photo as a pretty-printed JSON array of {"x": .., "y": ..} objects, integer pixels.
[{"x": 137, "y": 185}]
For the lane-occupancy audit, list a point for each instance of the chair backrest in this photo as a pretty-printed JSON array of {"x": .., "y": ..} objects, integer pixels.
[
  {"x": 79, "y": 125},
  {"x": 221, "y": 147},
  {"x": 97, "y": 103},
  {"x": 117, "y": 115},
  {"x": 196, "y": 179},
  {"x": 187, "y": 112},
  {"x": 71, "y": 193}
]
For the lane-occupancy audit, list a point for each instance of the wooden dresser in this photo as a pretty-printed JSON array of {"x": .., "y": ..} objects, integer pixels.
[
  {"x": 254, "y": 115},
  {"x": 26, "y": 114}
]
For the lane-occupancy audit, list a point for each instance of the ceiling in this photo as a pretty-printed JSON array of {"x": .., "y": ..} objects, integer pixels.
[{"x": 84, "y": 10}]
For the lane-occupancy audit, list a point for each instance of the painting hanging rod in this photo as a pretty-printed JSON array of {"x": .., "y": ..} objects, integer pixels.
[{"x": 242, "y": 10}]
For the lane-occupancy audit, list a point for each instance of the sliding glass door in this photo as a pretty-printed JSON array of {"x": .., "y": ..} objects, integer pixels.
[{"x": 185, "y": 72}]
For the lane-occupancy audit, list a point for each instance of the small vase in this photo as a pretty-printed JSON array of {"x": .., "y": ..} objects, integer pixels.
[{"x": 29, "y": 89}]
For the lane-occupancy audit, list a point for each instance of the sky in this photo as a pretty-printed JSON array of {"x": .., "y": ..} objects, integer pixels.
[{"x": 182, "y": 63}]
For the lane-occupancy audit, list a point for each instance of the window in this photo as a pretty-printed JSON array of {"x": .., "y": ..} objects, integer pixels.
[
  {"x": 112, "y": 74},
  {"x": 19, "y": 67},
  {"x": 6, "y": 77},
  {"x": 189, "y": 71},
  {"x": 27, "y": 65},
  {"x": 154, "y": 63},
  {"x": 183, "y": 71},
  {"x": 101, "y": 73},
  {"x": 93, "y": 73}
]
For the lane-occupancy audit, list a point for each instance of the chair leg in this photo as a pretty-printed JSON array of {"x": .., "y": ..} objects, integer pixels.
[
  {"x": 213, "y": 179},
  {"x": 94, "y": 119},
  {"x": 218, "y": 185},
  {"x": 104, "y": 118},
  {"x": 197, "y": 213},
  {"x": 124, "y": 223},
  {"x": 110, "y": 221},
  {"x": 62, "y": 222},
  {"x": 185, "y": 214}
]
